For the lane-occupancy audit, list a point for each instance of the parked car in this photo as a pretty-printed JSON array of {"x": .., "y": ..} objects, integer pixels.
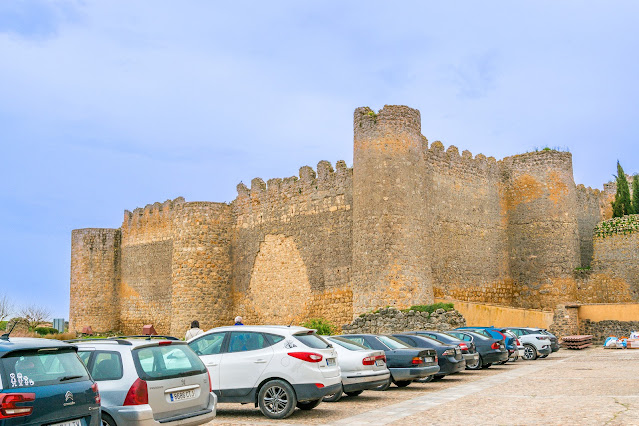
[
  {"x": 554, "y": 341},
  {"x": 149, "y": 381},
  {"x": 490, "y": 350},
  {"x": 519, "y": 348},
  {"x": 276, "y": 368},
  {"x": 469, "y": 352},
  {"x": 362, "y": 368},
  {"x": 44, "y": 382},
  {"x": 449, "y": 357},
  {"x": 405, "y": 363},
  {"x": 495, "y": 333},
  {"x": 535, "y": 343}
]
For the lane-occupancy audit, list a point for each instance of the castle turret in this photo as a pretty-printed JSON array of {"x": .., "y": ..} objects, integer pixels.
[
  {"x": 201, "y": 266},
  {"x": 95, "y": 266},
  {"x": 543, "y": 238},
  {"x": 389, "y": 254}
]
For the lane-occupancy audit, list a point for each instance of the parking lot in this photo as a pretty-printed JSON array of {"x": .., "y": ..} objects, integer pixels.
[{"x": 594, "y": 386}]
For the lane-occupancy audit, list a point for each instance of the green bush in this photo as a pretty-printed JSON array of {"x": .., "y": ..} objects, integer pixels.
[
  {"x": 431, "y": 308},
  {"x": 3, "y": 325},
  {"x": 45, "y": 330},
  {"x": 322, "y": 326}
]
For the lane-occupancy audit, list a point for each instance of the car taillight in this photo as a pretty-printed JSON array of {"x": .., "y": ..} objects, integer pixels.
[
  {"x": 210, "y": 382},
  {"x": 418, "y": 360},
  {"x": 495, "y": 345},
  {"x": 306, "y": 356},
  {"x": 517, "y": 342},
  {"x": 164, "y": 343},
  {"x": 138, "y": 393},
  {"x": 382, "y": 357},
  {"x": 449, "y": 352},
  {"x": 542, "y": 338},
  {"x": 463, "y": 346},
  {"x": 8, "y": 407},
  {"x": 369, "y": 360},
  {"x": 94, "y": 388}
]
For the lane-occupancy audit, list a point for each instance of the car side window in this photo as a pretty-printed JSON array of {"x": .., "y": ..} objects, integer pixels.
[
  {"x": 84, "y": 357},
  {"x": 209, "y": 344},
  {"x": 107, "y": 366},
  {"x": 242, "y": 341},
  {"x": 359, "y": 340},
  {"x": 517, "y": 332}
]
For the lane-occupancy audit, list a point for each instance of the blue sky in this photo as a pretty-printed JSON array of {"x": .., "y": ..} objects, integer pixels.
[{"x": 106, "y": 106}]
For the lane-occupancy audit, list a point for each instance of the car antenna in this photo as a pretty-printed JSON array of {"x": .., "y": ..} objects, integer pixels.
[
  {"x": 5, "y": 336},
  {"x": 291, "y": 323}
]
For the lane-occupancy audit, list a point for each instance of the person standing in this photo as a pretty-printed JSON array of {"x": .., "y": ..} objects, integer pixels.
[
  {"x": 195, "y": 330},
  {"x": 238, "y": 320}
]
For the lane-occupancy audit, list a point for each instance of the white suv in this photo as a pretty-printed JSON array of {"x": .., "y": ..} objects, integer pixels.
[
  {"x": 277, "y": 368},
  {"x": 535, "y": 343}
]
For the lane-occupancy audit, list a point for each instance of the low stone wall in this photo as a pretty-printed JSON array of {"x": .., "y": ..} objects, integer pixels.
[
  {"x": 392, "y": 320},
  {"x": 600, "y": 330}
]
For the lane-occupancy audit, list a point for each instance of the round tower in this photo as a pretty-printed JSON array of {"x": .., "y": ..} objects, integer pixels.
[
  {"x": 389, "y": 255},
  {"x": 543, "y": 237}
]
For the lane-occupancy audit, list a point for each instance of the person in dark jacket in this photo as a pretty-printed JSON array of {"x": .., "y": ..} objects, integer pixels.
[{"x": 238, "y": 320}]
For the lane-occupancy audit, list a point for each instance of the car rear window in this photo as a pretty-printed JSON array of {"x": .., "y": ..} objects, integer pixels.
[
  {"x": 348, "y": 344},
  {"x": 166, "y": 361},
  {"x": 41, "y": 368},
  {"x": 312, "y": 340},
  {"x": 392, "y": 342}
]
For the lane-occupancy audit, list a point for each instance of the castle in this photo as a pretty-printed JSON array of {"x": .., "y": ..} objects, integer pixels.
[{"x": 408, "y": 223}]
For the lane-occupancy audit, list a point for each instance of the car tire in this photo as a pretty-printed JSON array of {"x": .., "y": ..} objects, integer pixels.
[
  {"x": 475, "y": 366},
  {"x": 384, "y": 386},
  {"x": 276, "y": 399},
  {"x": 437, "y": 378},
  {"x": 308, "y": 405},
  {"x": 543, "y": 356},
  {"x": 426, "y": 379},
  {"x": 107, "y": 420},
  {"x": 530, "y": 353},
  {"x": 354, "y": 393},
  {"x": 513, "y": 358},
  {"x": 486, "y": 365},
  {"x": 402, "y": 383},
  {"x": 334, "y": 397}
]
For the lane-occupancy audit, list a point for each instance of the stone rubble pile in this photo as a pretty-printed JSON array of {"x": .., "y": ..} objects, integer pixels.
[{"x": 392, "y": 320}]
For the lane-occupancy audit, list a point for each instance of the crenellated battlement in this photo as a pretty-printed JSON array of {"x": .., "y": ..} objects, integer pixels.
[
  {"x": 465, "y": 164},
  {"x": 140, "y": 215}
]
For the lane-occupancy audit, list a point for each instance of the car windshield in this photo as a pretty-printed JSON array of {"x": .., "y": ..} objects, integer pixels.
[
  {"x": 392, "y": 342},
  {"x": 350, "y": 345},
  {"x": 42, "y": 367},
  {"x": 167, "y": 361}
]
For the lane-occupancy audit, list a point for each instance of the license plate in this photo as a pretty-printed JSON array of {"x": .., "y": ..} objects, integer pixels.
[
  {"x": 330, "y": 362},
  {"x": 181, "y": 396},
  {"x": 379, "y": 363},
  {"x": 69, "y": 423},
  {"x": 428, "y": 359}
]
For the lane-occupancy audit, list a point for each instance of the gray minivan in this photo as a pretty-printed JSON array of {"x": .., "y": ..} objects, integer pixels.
[{"x": 149, "y": 382}]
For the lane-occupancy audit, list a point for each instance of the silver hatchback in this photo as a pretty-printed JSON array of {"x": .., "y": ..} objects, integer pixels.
[{"x": 149, "y": 382}]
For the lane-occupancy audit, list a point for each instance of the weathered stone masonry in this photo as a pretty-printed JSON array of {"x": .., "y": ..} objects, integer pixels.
[{"x": 407, "y": 223}]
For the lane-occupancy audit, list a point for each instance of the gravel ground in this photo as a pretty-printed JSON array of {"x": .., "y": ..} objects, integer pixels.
[{"x": 593, "y": 386}]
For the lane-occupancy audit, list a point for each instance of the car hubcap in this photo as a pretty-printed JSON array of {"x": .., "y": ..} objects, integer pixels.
[
  {"x": 529, "y": 352},
  {"x": 275, "y": 400}
]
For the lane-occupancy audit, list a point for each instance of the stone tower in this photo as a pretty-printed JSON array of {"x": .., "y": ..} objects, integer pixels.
[{"x": 389, "y": 254}]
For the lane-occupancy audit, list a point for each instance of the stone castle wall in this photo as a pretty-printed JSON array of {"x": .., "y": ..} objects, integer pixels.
[{"x": 409, "y": 222}]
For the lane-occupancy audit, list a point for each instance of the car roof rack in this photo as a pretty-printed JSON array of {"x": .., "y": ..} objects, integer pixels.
[
  {"x": 97, "y": 339},
  {"x": 144, "y": 336}
]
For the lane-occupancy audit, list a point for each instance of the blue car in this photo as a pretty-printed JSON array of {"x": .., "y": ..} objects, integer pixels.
[
  {"x": 44, "y": 382},
  {"x": 491, "y": 331}
]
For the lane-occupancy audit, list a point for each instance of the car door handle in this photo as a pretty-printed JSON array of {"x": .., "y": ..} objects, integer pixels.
[
  {"x": 259, "y": 361},
  {"x": 210, "y": 364}
]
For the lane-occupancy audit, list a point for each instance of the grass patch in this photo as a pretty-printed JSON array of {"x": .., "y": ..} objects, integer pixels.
[
  {"x": 323, "y": 327},
  {"x": 431, "y": 308}
]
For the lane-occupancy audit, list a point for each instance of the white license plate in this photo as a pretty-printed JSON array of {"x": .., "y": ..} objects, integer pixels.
[
  {"x": 379, "y": 363},
  {"x": 181, "y": 396},
  {"x": 330, "y": 362},
  {"x": 428, "y": 359},
  {"x": 69, "y": 423}
]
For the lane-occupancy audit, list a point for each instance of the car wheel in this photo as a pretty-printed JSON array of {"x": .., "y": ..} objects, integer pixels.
[
  {"x": 308, "y": 405},
  {"x": 530, "y": 353},
  {"x": 476, "y": 365},
  {"x": 107, "y": 420},
  {"x": 486, "y": 365},
  {"x": 354, "y": 393},
  {"x": 426, "y": 379},
  {"x": 334, "y": 397},
  {"x": 384, "y": 386},
  {"x": 277, "y": 399},
  {"x": 402, "y": 383},
  {"x": 513, "y": 358}
]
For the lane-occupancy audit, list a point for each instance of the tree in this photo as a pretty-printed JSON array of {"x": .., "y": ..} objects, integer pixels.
[
  {"x": 35, "y": 315},
  {"x": 622, "y": 204},
  {"x": 6, "y": 307},
  {"x": 635, "y": 193}
]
